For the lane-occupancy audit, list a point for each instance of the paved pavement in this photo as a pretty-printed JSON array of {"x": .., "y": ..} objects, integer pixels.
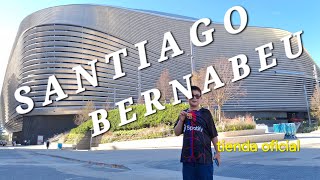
[{"x": 22, "y": 163}]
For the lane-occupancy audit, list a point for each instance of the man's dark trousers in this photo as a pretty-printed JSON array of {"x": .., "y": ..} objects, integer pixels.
[{"x": 196, "y": 171}]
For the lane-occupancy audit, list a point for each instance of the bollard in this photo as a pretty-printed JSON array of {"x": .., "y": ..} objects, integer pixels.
[{"x": 60, "y": 146}]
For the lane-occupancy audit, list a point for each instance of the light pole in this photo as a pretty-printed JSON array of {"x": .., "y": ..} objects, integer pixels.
[
  {"x": 114, "y": 97},
  {"x": 191, "y": 58},
  {"x": 91, "y": 138},
  {"x": 306, "y": 97},
  {"x": 139, "y": 84}
]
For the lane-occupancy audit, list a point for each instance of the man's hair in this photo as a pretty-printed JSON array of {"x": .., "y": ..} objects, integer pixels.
[{"x": 196, "y": 88}]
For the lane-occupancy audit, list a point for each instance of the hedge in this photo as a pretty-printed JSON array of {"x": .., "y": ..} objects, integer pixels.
[{"x": 168, "y": 116}]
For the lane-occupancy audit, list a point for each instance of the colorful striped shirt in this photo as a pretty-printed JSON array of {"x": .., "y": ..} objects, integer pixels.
[{"x": 198, "y": 131}]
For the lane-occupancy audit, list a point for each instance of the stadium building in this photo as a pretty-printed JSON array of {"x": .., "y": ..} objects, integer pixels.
[{"x": 54, "y": 40}]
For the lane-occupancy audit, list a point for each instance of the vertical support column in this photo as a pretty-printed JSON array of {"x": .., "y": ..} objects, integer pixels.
[
  {"x": 191, "y": 58},
  {"x": 114, "y": 97},
  {"x": 306, "y": 97},
  {"x": 139, "y": 84}
]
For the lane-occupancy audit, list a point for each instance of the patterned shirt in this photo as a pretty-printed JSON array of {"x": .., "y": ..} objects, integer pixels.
[{"x": 198, "y": 131}]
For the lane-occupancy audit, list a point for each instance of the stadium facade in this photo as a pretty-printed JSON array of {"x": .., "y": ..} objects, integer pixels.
[{"x": 54, "y": 40}]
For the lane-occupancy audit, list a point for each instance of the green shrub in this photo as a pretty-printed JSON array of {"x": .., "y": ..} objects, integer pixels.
[
  {"x": 73, "y": 138},
  {"x": 167, "y": 116},
  {"x": 305, "y": 128},
  {"x": 308, "y": 129},
  {"x": 76, "y": 134},
  {"x": 145, "y": 133},
  {"x": 83, "y": 128},
  {"x": 159, "y": 124}
]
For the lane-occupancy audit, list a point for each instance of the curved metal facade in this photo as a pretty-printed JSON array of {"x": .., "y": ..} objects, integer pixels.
[{"x": 54, "y": 40}]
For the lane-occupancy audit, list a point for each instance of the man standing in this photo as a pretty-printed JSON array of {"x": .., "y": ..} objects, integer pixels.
[
  {"x": 48, "y": 143},
  {"x": 198, "y": 129}
]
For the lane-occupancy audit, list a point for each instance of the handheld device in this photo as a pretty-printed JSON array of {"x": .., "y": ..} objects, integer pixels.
[
  {"x": 189, "y": 115},
  {"x": 216, "y": 160}
]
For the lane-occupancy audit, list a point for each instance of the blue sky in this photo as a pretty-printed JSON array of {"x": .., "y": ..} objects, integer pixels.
[{"x": 290, "y": 15}]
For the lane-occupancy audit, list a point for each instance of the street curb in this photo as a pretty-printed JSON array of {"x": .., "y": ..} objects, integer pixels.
[
  {"x": 114, "y": 166},
  {"x": 177, "y": 141}
]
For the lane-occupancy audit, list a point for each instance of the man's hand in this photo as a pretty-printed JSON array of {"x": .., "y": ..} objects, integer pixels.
[
  {"x": 178, "y": 129},
  {"x": 217, "y": 156},
  {"x": 183, "y": 115}
]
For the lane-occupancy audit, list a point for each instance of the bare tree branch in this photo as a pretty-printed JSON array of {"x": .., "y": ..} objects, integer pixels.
[
  {"x": 164, "y": 86},
  {"x": 231, "y": 91},
  {"x": 83, "y": 116},
  {"x": 315, "y": 103}
]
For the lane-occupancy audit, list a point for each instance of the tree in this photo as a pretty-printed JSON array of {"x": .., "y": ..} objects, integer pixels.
[
  {"x": 107, "y": 106},
  {"x": 83, "y": 116},
  {"x": 164, "y": 86},
  {"x": 230, "y": 91},
  {"x": 315, "y": 103},
  {"x": 198, "y": 78},
  {"x": 140, "y": 100}
]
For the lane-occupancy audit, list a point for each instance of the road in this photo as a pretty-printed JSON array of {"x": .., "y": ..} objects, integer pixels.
[
  {"x": 20, "y": 164},
  {"x": 38, "y": 164}
]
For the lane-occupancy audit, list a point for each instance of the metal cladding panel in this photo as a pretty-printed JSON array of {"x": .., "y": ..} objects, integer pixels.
[{"x": 53, "y": 40}]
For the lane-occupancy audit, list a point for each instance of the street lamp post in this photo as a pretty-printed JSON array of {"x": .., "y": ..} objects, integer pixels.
[
  {"x": 114, "y": 96},
  {"x": 139, "y": 84},
  {"x": 191, "y": 58},
  {"x": 91, "y": 130},
  {"x": 307, "y": 103}
]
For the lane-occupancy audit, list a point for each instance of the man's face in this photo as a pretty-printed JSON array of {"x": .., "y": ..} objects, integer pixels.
[{"x": 196, "y": 98}]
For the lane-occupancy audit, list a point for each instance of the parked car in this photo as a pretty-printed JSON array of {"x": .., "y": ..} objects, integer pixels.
[{"x": 3, "y": 142}]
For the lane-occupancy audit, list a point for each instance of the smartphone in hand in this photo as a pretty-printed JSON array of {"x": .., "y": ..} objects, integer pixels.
[
  {"x": 189, "y": 115},
  {"x": 216, "y": 160}
]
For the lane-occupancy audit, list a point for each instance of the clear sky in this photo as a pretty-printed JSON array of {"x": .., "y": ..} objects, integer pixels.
[{"x": 290, "y": 15}]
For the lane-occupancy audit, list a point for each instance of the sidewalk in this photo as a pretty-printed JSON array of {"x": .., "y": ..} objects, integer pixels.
[
  {"x": 306, "y": 140},
  {"x": 52, "y": 146},
  {"x": 163, "y": 163},
  {"x": 137, "y": 164},
  {"x": 316, "y": 132}
]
